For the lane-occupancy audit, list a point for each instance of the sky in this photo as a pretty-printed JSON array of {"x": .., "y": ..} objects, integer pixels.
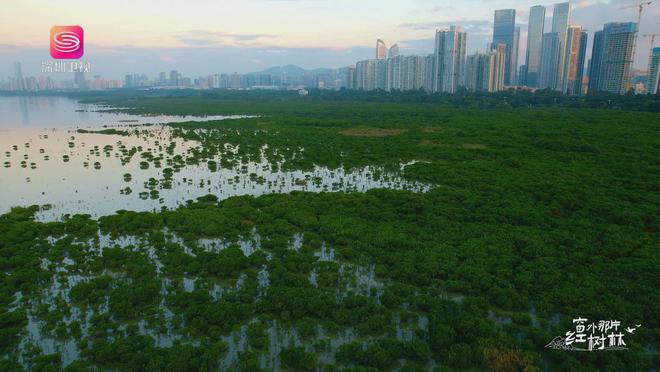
[{"x": 201, "y": 37}]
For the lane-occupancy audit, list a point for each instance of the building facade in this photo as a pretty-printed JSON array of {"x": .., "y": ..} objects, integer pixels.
[
  {"x": 394, "y": 51},
  {"x": 485, "y": 72},
  {"x": 612, "y": 58},
  {"x": 534, "y": 44},
  {"x": 449, "y": 55},
  {"x": 560, "y": 21},
  {"x": 549, "y": 61},
  {"x": 654, "y": 72},
  {"x": 381, "y": 49},
  {"x": 574, "y": 61},
  {"x": 504, "y": 32},
  {"x": 596, "y": 62}
]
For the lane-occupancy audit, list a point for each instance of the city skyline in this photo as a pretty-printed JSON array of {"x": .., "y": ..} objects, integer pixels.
[
  {"x": 203, "y": 51},
  {"x": 561, "y": 65}
]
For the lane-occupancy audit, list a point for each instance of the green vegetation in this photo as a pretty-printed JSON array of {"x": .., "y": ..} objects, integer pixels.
[
  {"x": 535, "y": 217},
  {"x": 109, "y": 131}
]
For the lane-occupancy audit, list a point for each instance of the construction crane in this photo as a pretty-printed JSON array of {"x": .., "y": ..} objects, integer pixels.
[
  {"x": 640, "y": 6},
  {"x": 652, "y": 36}
]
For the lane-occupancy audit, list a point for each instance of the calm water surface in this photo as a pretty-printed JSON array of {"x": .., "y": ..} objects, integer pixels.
[{"x": 45, "y": 161}]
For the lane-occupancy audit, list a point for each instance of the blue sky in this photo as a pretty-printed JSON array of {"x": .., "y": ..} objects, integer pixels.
[{"x": 200, "y": 37}]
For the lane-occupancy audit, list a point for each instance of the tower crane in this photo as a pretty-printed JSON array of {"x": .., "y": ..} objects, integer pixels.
[{"x": 640, "y": 6}]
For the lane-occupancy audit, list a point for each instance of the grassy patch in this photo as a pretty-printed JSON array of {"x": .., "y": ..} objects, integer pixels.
[{"x": 371, "y": 132}]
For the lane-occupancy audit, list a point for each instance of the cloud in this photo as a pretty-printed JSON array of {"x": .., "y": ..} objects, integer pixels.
[
  {"x": 477, "y": 26},
  {"x": 441, "y": 9},
  {"x": 211, "y": 38}
]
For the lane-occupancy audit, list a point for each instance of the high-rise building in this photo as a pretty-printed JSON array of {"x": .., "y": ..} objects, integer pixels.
[
  {"x": 234, "y": 81},
  {"x": 214, "y": 81},
  {"x": 408, "y": 73},
  {"x": 396, "y": 73},
  {"x": 560, "y": 19},
  {"x": 485, "y": 72},
  {"x": 18, "y": 75},
  {"x": 394, "y": 51},
  {"x": 612, "y": 58},
  {"x": 381, "y": 49},
  {"x": 574, "y": 61},
  {"x": 504, "y": 32},
  {"x": 380, "y": 74},
  {"x": 549, "y": 61},
  {"x": 79, "y": 80},
  {"x": 522, "y": 75},
  {"x": 534, "y": 44},
  {"x": 496, "y": 79},
  {"x": 514, "y": 56},
  {"x": 596, "y": 62},
  {"x": 429, "y": 62},
  {"x": 350, "y": 78},
  {"x": 473, "y": 73},
  {"x": 394, "y": 68},
  {"x": 174, "y": 78},
  {"x": 579, "y": 87},
  {"x": 654, "y": 72},
  {"x": 449, "y": 65},
  {"x": 365, "y": 72}
]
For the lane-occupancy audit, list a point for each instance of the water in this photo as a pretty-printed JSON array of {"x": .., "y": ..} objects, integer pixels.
[
  {"x": 46, "y": 161},
  {"x": 20, "y": 113}
]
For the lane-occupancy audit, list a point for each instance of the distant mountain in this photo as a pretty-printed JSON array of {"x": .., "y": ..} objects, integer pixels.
[
  {"x": 288, "y": 70},
  {"x": 294, "y": 71}
]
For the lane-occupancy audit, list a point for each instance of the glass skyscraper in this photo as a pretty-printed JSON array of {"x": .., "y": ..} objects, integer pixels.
[
  {"x": 654, "y": 72},
  {"x": 534, "y": 44},
  {"x": 549, "y": 60},
  {"x": 574, "y": 62},
  {"x": 504, "y": 32},
  {"x": 596, "y": 62},
  {"x": 577, "y": 89},
  {"x": 560, "y": 19}
]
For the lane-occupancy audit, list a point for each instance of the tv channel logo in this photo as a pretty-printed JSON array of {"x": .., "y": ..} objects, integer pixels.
[{"x": 67, "y": 42}]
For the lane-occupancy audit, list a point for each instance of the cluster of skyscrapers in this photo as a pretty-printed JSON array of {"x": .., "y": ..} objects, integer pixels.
[
  {"x": 555, "y": 59},
  {"x": 297, "y": 79},
  {"x": 442, "y": 71}
]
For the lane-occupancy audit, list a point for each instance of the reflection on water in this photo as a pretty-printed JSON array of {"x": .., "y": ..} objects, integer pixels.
[
  {"x": 99, "y": 174},
  {"x": 90, "y": 173},
  {"x": 62, "y": 112},
  {"x": 45, "y": 160}
]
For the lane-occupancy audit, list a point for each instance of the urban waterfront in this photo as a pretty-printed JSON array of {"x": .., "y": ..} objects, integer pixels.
[{"x": 185, "y": 186}]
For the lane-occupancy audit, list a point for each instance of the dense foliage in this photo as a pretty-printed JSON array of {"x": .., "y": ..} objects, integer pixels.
[{"x": 535, "y": 217}]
